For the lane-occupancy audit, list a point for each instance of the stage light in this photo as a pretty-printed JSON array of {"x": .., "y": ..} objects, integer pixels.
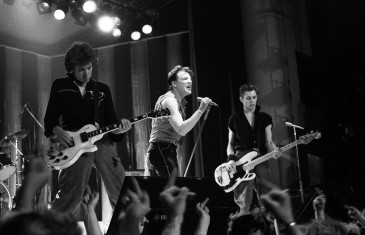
[
  {"x": 79, "y": 16},
  {"x": 106, "y": 23},
  {"x": 136, "y": 35},
  {"x": 44, "y": 6},
  {"x": 89, "y": 6},
  {"x": 147, "y": 29},
  {"x": 117, "y": 21},
  {"x": 117, "y": 33},
  {"x": 61, "y": 11}
]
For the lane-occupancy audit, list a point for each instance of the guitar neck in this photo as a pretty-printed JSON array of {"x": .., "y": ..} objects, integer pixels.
[
  {"x": 112, "y": 127},
  {"x": 270, "y": 155}
]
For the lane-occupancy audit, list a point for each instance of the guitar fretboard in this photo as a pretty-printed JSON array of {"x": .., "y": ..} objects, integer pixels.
[
  {"x": 103, "y": 130},
  {"x": 267, "y": 156}
]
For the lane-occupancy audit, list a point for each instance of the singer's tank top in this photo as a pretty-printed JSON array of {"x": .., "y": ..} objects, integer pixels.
[{"x": 162, "y": 131}]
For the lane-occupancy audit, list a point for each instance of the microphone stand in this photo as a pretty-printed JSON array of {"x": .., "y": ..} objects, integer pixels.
[
  {"x": 196, "y": 142},
  {"x": 35, "y": 119},
  {"x": 298, "y": 163}
]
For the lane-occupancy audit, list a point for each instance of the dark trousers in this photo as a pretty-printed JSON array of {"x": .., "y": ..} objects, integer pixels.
[
  {"x": 73, "y": 180},
  {"x": 158, "y": 155}
]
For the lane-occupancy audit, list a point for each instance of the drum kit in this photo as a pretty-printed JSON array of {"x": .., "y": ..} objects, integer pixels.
[{"x": 8, "y": 168}]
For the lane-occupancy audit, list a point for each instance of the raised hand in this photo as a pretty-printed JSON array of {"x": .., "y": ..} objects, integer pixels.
[
  {"x": 278, "y": 203},
  {"x": 202, "y": 210},
  {"x": 90, "y": 199},
  {"x": 204, "y": 218},
  {"x": 138, "y": 202},
  {"x": 88, "y": 204},
  {"x": 174, "y": 198},
  {"x": 319, "y": 202},
  {"x": 353, "y": 212},
  {"x": 137, "y": 206}
]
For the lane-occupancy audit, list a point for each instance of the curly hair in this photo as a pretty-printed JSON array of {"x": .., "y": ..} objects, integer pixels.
[
  {"x": 248, "y": 87},
  {"x": 79, "y": 53},
  {"x": 172, "y": 75}
]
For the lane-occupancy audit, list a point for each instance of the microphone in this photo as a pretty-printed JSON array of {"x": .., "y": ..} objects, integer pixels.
[
  {"x": 211, "y": 103},
  {"x": 293, "y": 125},
  {"x": 22, "y": 109}
]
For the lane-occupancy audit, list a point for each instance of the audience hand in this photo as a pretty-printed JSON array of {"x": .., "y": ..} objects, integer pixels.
[
  {"x": 278, "y": 203},
  {"x": 137, "y": 206},
  {"x": 90, "y": 200},
  {"x": 138, "y": 203},
  {"x": 202, "y": 210},
  {"x": 174, "y": 198},
  {"x": 204, "y": 218},
  {"x": 319, "y": 202},
  {"x": 353, "y": 212}
]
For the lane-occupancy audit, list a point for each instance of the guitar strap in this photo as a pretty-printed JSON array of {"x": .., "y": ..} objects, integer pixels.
[
  {"x": 257, "y": 131},
  {"x": 96, "y": 102}
]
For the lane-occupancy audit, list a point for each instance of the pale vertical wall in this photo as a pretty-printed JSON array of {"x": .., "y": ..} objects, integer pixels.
[
  {"x": 43, "y": 90},
  {"x": 140, "y": 98},
  {"x": 273, "y": 31},
  {"x": 13, "y": 96}
]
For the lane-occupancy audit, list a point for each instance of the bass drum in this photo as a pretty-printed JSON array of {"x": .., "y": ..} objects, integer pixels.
[{"x": 5, "y": 200}]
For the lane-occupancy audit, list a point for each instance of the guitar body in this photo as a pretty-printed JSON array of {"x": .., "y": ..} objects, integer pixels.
[
  {"x": 57, "y": 156},
  {"x": 230, "y": 179},
  {"x": 60, "y": 157}
]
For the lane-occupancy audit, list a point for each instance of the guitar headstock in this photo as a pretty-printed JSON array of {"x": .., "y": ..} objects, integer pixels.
[
  {"x": 159, "y": 113},
  {"x": 305, "y": 139}
]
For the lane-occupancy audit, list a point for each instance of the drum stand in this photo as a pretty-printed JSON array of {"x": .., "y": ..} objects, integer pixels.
[
  {"x": 46, "y": 191},
  {"x": 15, "y": 181}
]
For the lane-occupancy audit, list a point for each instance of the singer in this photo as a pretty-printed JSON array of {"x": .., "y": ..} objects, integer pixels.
[
  {"x": 166, "y": 133},
  {"x": 248, "y": 130}
]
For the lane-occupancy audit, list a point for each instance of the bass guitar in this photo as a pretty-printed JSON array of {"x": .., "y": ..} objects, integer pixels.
[
  {"x": 229, "y": 179},
  {"x": 58, "y": 156}
]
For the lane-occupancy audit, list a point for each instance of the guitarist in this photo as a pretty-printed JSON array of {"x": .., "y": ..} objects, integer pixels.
[
  {"x": 166, "y": 133},
  {"x": 75, "y": 101},
  {"x": 249, "y": 130}
]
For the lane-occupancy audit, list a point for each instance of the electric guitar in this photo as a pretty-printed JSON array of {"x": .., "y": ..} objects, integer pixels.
[
  {"x": 229, "y": 179},
  {"x": 58, "y": 156}
]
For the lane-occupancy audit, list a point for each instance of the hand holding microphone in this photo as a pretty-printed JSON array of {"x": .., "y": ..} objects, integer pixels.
[{"x": 207, "y": 100}]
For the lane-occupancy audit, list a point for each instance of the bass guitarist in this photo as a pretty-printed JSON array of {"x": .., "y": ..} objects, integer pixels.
[
  {"x": 249, "y": 130},
  {"x": 75, "y": 101}
]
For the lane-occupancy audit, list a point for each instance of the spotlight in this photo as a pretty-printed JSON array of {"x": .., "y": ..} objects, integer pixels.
[
  {"x": 147, "y": 29},
  {"x": 61, "y": 11},
  {"x": 89, "y": 6},
  {"x": 44, "y": 6},
  {"x": 106, "y": 23},
  {"x": 117, "y": 33},
  {"x": 136, "y": 35},
  {"x": 117, "y": 21}
]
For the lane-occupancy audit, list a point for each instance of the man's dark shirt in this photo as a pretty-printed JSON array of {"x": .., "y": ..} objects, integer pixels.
[
  {"x": 247, "y": 138},
  {"x": 67, "y": 104}
]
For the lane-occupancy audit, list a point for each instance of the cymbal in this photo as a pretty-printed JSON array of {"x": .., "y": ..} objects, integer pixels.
[{"x": 7, "y": 140}]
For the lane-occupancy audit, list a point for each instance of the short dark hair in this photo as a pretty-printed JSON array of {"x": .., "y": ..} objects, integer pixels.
[
  {"x": 172, "y": 75},
  {"x": 248, "y": 87},
  {"x": 79, "y": 53}
]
